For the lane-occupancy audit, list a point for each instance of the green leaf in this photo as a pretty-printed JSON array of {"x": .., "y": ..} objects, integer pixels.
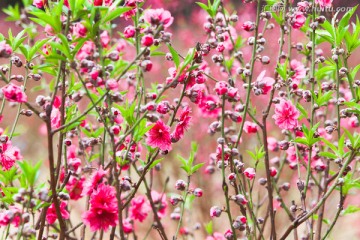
[
  {"x": 175, "y": 56},
  {"x": 350, "y": 209},
  {"x": 155, "y": 163},
  {"x": 327, "y": 155},
  {"x": 209, "y": 228},
  {"x": 30, "y": 172},
  {"x": 112, "y": 14},
  {"x": 196, "y": 167}
]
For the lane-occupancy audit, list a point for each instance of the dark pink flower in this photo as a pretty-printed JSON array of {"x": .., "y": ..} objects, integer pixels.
[
  {"x": 75, "y": 187},
  {"x": 248, "y": 26},
  {"x": 159, "y": 200},
  {"x": 250, "y": 127},
  {"x": 14, "y": 93},
  {"x": 11, "y": 215},
  {"x": 39, "y": 3},
  {"x": 51, "y": 216},
  {"x": 163, "y": 107},
  {"x": 139, "y": 208},
  {"x": 158, "y": 16},
  {"x": 298, "y": 20},
  {"x": 324, "y": 3},
  {"x": 8, "y": 155},
  {"x": 102, "y": 2},
  {"x": 95, "y": 179},
  {"x": 79, "y": 30},
  {"x": 249, "y": 173},
  {"x": 129, "y": 31},
  {"x": 209, "y": 106},
  {"x": 159, "y": 136},
  {"x": 103, "y": 211},
  {"x": 127, "y": 226},
  {"x": 182, "y": 125},
  {"x": 286, "y": 115},
  {"x": 147, "y": 40},
  {"x": 221, "y": 88}
]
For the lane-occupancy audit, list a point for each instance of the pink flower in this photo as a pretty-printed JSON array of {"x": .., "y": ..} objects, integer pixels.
[
  {"x": 250, "y": 127},
  {"x": 216, "y": 236},
  {"x": 139, "y": 208},
  {"x": 5, "y": 49},
  {"x": 86, "y": 50},
  {"x": 159, "y": 200},
  {"x": 272, "y": 144},
  {"x": 264, "y": 84},
  {"x": 221, "y": 88},
  {"x": 215, "y": 211},
  {"x": 51, "y": 216},
  {"x": 49, "y": 30},
  {"x": 11, "y": 215},
  {"x": 8, "y": 155},
  {"x": 249, "y": 173},
  {"x": 95, "y": 179},
  {"x": 286, "y": 115},
  {"x": 209, "y": 106},
  {"x": 129, "y": 32},
  {"x": 248, "y": 26},
  {"x": 163, "y": 107},
  {"x": 14, "y": 93},
  {"x": 39, "y": 3},
  {"x": 127, "y": 226},
  {"x": 79, "y": 30},
  {"x": 102, "y": 2},
  {"x": 299, "y": 69},
  {"x": 159, "y": 136},
  {"x": 75, "y": 187},
  {"x": 158, "y": 16},
  {"x": 147, "y": 40},
  {"x": 103, "y": 211},
  {"x": 112, "y": 84},
  {"x": 353, "y": 122},
  {"x": 324, "y": 3},
  {"x": 182, "y": 125},
  {"x": 104, "y": 39},
  {"x": 298, "y": 20}
]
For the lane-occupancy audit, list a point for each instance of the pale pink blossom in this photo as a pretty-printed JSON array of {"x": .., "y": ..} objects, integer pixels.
[{"x": 158, "y": 16}]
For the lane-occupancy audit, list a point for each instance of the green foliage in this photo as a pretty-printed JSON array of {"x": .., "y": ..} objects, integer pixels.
[
  {"x": 350, "y": 209},
  {"x": 187, "y": 164},
  {"x": 13, "y": 13},
  {"x": 281, "y": 69},
  {"x": 209, "y": 228},
  {"x": 257, "y": 154},
  {"x": 127, "y": 112},
  {"x": 322, "y": 99},
  {"x": 211, "y": 8},
  {"x": 308, "y": 139},
  {"x": 29, "y": 173},
  {"x": 175, "y": 56},
  {"x": 334, "y": 32}
]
